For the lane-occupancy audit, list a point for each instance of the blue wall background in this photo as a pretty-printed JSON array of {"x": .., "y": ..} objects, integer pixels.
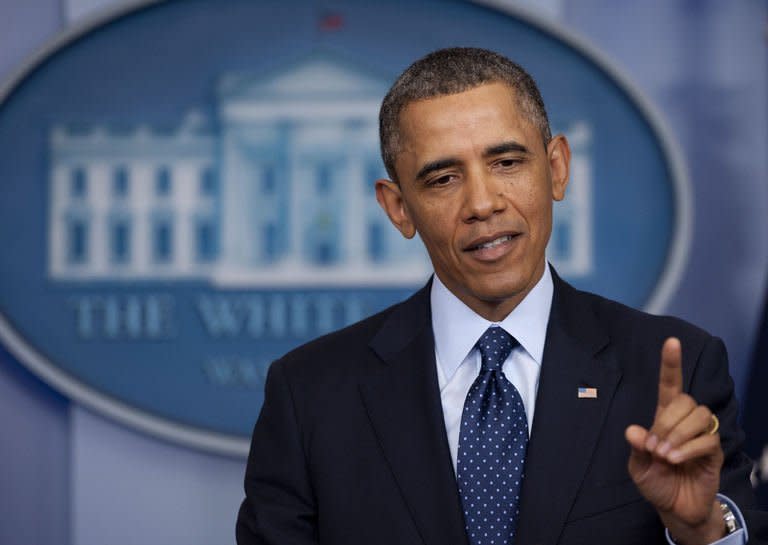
[{"x": 71, "y": 477}]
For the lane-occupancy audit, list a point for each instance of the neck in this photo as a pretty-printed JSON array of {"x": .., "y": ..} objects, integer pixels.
[{"x": 496, "y": 309}]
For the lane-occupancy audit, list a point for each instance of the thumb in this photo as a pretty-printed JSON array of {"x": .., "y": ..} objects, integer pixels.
[{"x": 639, "y": 457}]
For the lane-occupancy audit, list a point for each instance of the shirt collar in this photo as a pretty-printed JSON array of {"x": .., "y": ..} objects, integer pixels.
[{"x": 457, "y": 328}]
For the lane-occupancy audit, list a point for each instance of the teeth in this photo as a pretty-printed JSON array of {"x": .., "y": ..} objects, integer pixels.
[{"x": 495, "y": 242}]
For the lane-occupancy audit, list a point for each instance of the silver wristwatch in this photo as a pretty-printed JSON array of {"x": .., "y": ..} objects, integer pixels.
[{"x": 731, "y": 524}]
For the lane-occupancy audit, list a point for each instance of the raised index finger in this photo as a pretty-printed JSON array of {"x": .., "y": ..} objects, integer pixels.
[{"x": 671, "y": 373}]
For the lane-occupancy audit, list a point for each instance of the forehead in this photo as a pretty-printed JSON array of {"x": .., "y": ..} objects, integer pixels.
[{"x": 488, "y": 111}]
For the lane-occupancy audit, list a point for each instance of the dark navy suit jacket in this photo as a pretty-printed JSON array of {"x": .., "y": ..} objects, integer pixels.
[{"x": 350, "y": 447}]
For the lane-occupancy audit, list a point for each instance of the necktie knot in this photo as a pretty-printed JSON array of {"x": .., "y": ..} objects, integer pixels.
[{"x": 495, "y": 346}]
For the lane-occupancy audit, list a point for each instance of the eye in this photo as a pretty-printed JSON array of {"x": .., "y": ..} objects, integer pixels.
[
  {"x": 443, "y": 179},
  {"x": 508, "y": 162}
]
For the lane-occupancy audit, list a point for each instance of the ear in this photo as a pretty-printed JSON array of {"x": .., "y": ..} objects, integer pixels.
[
  {"x": 559, "y": 155},
  {"x": 390, "y": 197}
]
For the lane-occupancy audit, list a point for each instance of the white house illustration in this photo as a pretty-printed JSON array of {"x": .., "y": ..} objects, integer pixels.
[{"x": 277, "y": 189}]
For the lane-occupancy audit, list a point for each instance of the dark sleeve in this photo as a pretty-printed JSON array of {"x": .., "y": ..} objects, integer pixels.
[
  {"x": 279, "y": 506},
  {"x": 712, "y": 386}
]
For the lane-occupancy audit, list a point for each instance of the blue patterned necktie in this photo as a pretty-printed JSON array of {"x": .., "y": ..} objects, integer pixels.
[{"x": 492, "y": 443}]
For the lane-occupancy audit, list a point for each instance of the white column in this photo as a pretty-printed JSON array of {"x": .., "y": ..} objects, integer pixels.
[
  {"x": 300, "y": 180},
  {"x": 580, "y": 201},
  {"x": 259, "y": 213},
  {"x": 98, "y": 199},
  {"x": 186, "y": 185},
  {"x": 234, "y": 241},
  {"x": 57, "y": 226},
  {"x": 354, "y": 229},
  {"x": 142, "y": 197}
]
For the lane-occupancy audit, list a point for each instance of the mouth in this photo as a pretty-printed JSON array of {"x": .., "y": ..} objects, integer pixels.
[
  {"x": 493, "y": 247},
  {"x": 491, "y": 243}
]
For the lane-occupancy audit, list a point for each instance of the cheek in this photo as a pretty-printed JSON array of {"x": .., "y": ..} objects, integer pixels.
[
  {"x": 436, "y": 240},
  {"x": 436, "y": 234},
  {"x": 542, "y": 225},
  {"x": 536, "y": 204},
  {"x": 527, "y": 193},
  {"x": 432, "y": 221}
]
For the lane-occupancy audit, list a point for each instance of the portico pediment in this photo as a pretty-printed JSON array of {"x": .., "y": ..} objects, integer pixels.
[{"x": 320, "y": 77}]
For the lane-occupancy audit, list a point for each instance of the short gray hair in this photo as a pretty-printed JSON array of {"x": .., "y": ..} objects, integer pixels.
[{"x": 447, "y": 72}]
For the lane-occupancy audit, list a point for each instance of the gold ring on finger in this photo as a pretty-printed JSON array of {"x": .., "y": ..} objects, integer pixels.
[{"x": 715, "y": 425}]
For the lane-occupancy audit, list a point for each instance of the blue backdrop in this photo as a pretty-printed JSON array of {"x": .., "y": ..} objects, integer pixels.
[{"x": 703, "y": 65}]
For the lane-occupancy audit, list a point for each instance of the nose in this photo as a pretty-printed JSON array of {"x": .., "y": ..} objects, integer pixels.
[{"x": 483, "y": 197}]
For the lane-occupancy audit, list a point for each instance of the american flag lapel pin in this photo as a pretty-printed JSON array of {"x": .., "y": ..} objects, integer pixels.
[{"x": 587, "y": 393}]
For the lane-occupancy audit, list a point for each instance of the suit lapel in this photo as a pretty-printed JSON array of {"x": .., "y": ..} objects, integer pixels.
[
  {"x": 565, "y": 427},
  {"x": 403, "y": 402}
]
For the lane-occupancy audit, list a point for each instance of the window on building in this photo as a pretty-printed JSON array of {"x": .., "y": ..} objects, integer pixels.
[
  {"x": 324, "y": 179},
  {"x": 78, "y": 183},
  {"x": 374, "y": 171},
  {"x": 268, "y": 179},
  {"x": 208, "y": 182},
  {"x": 270, "y": 242},
  {"x": 162, "y": 240},
  {"x": 561, "y": 240},
  {"x": 77, "y": 241},
  {"x": 376, "y": 246},
  {"x": 120, "y": 182},
  {"x": 162, "y": 182},
  {"x": 325, "y": 252},
  {"x": 323, "y": 238},
  {"x": 206, "y": 243},
  {"x": 120, "y": 241}
]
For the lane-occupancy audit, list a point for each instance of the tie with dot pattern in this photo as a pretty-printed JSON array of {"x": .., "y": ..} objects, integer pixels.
[{"x": 492, "y": 443}]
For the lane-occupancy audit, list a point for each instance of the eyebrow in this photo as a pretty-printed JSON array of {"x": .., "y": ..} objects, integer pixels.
[
  {"x": 436, "y": 165},
  {"x": 498, "y": 149},
  {"x": 505, "y": 147}
]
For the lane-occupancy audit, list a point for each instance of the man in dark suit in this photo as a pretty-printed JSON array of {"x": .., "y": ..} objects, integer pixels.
[{"x": 498, "y": 404}]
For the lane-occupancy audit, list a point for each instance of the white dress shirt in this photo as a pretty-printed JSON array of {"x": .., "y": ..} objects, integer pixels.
[{"x": 457, "y": 328}]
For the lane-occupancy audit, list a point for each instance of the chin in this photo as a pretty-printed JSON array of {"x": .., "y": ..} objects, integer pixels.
[
  {"x": 512, "y": 280},
  {"x": 496, "y": 291}
]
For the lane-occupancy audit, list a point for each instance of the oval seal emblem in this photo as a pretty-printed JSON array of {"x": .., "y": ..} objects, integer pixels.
[{"x": 188, "y": 194}]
